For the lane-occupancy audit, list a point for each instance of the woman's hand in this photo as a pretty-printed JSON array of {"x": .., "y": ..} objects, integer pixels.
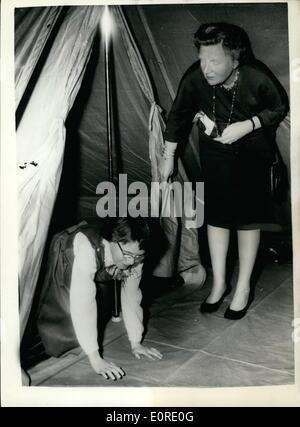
[
  {"x": 166, "y": 163},
  {"x": 107, "y": 369},
  {"x": 235, "y": 131},
  {"x": 165, "y": 168},
  {"x": 139, "y": 350}
]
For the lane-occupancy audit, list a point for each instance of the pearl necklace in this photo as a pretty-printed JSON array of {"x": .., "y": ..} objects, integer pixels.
[
  {"x": 234, "y": 86},
  {"x": 231, "y": 85}
]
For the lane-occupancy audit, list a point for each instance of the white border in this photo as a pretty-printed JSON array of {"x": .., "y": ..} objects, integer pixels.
[{"x": 13, "y": 394}]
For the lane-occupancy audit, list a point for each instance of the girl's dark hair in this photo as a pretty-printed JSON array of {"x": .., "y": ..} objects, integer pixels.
[
  {"x": 126, "y": 230},
  {"x": 232, "y": 37}
]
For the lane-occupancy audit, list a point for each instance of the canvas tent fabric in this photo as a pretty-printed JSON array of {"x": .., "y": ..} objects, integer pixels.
[
  {"x": 41, "y": 132},
  {"x": 29, "y": 45},
  {"x": 41, "y": 138}
]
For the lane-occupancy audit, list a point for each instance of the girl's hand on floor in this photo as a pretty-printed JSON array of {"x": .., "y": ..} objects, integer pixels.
[
  {"x": 107, "y": 369},
  {"x": 141, "y": 350}
]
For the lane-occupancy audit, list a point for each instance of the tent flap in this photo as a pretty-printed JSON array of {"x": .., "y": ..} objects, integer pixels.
[
  {"x": 33, "y": 28},
  {"x": 41, "y": 139}
]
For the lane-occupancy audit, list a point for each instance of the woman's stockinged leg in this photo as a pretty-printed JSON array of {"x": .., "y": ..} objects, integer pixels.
[
  {"x": 218, "y": 241},
  {"x": 248, "y": 243}
]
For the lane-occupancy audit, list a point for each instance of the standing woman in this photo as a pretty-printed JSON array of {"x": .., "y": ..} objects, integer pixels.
[{"x": 239, "y": 105}]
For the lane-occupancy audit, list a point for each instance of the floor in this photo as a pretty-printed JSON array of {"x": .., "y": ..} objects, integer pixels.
[{"x": 200, "y": 350}]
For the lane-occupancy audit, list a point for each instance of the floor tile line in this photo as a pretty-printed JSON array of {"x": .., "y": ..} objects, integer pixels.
[
  {"x": 254, "y": 306},
  {"x": 180, "y": 368},
  {"x": 251, "y": 310},
  {"x": 152, "y": 379},
  {"x": 221, "y": 357},
  {"x": 246, "y": 363},
  {"x": 173, "y": 346},
  {"x": 79, "y": 359}
]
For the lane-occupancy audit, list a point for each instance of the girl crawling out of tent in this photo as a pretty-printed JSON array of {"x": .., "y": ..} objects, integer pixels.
[
  {"x": 89, "y": 258},
  {"x": 239, "y": 104}
]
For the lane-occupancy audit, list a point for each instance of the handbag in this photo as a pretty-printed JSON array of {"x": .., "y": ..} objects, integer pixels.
[{"x": 278, "y": 177}]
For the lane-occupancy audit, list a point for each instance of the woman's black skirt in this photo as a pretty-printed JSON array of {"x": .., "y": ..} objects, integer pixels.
[{"x": 236, "y": 184}]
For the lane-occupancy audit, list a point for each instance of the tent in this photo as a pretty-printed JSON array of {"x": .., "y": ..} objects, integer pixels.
[{"x": 61, "y": 110}]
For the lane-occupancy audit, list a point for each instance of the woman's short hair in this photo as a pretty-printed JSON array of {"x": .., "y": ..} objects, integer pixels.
[
  {"x": 232, "y": 37},
  {"x": 127, "y": 229}
]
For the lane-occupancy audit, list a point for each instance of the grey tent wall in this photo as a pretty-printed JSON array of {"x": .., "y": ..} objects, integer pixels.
[{"x": 28, "y": 48}]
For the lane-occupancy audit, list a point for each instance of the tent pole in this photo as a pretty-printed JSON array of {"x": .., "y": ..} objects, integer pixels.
[
  {"x": 108, "y": 100},
  {"x": 107, "y": 52}
]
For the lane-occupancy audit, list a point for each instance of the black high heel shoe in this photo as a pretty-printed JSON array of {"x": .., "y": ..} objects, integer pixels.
[
  {"x": 206, "y": 307},
  {"x": 239, "y": 314}
]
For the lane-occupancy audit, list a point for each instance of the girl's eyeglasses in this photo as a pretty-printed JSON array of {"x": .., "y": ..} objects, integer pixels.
[{"x": 128, "y": 256}]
